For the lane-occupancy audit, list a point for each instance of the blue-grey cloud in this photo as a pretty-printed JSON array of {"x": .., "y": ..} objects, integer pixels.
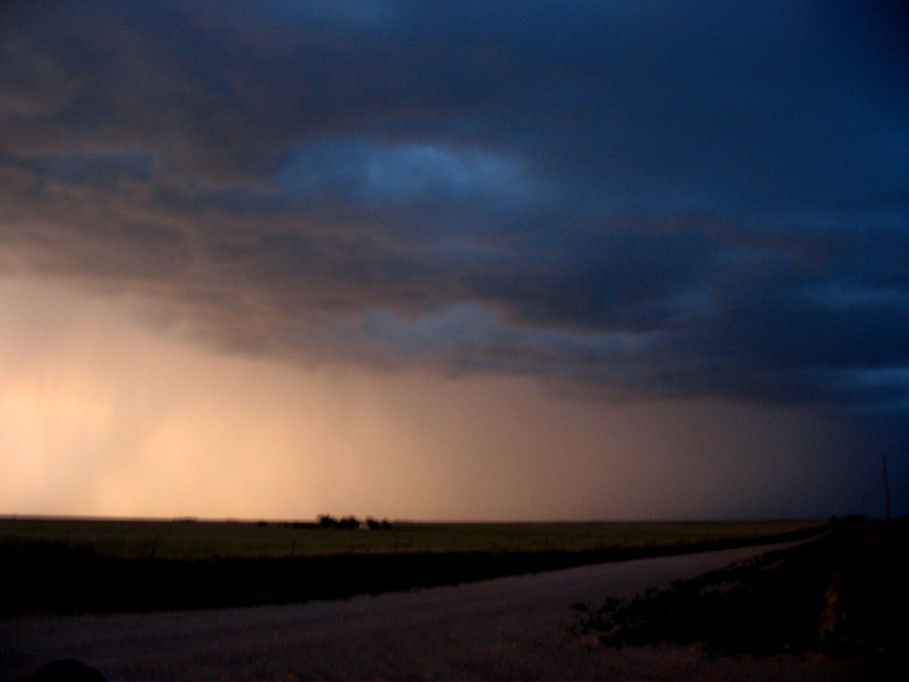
[{"x": 636, "y": 199}]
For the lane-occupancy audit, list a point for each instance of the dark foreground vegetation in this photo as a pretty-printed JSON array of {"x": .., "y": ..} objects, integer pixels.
[
  {"x": 48, "y": 575},
  {"x": 844, "y": 595}
]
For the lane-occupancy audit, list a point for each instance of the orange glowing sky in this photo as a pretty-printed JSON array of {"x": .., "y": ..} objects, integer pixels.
[
  {"x": 103, "y": 414},
  {"x": 453, "y": 260}
]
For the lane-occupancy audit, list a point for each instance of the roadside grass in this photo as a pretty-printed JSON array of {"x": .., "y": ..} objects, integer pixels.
[
  {"x": 188, "y": 540},
  {"x": 844, "y": 595},
  {"x": 70, "y": 566}
]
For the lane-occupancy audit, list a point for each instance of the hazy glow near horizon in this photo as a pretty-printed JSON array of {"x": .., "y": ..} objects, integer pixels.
[{"x": 100, "y": 414}]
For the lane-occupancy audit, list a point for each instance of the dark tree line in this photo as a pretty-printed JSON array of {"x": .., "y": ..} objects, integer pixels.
[{"x": 351, "y": 523}]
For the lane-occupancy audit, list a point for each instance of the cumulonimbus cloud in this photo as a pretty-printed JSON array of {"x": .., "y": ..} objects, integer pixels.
[{"x": 612, "y": 199}]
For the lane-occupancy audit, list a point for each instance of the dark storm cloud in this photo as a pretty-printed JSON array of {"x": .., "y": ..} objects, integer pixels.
[{"x": 622, "y": 199}]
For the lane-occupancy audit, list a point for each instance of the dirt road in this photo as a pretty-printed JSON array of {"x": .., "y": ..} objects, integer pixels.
[{"x": 505, "y": 629}]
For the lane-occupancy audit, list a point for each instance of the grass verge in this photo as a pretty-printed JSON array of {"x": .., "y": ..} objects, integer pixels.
[{"x": 843, "y": 596}]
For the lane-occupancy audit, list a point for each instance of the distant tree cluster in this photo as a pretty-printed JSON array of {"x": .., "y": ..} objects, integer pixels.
[
  {"x": 285, "y": 524},
  {"x": 352, "y": 523}
]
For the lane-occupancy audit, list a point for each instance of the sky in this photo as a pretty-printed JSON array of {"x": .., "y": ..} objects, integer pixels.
[{"x": 454, "y": 260}]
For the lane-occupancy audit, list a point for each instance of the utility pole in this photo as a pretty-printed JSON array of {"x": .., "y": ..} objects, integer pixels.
[{"x": 886, "y": 489}]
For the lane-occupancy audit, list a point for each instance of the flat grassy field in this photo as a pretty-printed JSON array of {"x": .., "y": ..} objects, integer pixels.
[
  {"x": 183, "y": 540},
  {"x": 73, "y": 565}
]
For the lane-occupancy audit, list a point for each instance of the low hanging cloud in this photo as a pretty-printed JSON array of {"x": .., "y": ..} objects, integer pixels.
[{"x": 622, "y": 201}]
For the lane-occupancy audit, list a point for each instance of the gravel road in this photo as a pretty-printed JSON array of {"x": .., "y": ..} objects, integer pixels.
[{"x": 505, "y": 629}]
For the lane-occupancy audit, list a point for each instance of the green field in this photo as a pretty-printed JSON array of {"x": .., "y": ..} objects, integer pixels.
[
  {"x": 200, "y": 540},
  {"x": 73, "y": 565}
]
